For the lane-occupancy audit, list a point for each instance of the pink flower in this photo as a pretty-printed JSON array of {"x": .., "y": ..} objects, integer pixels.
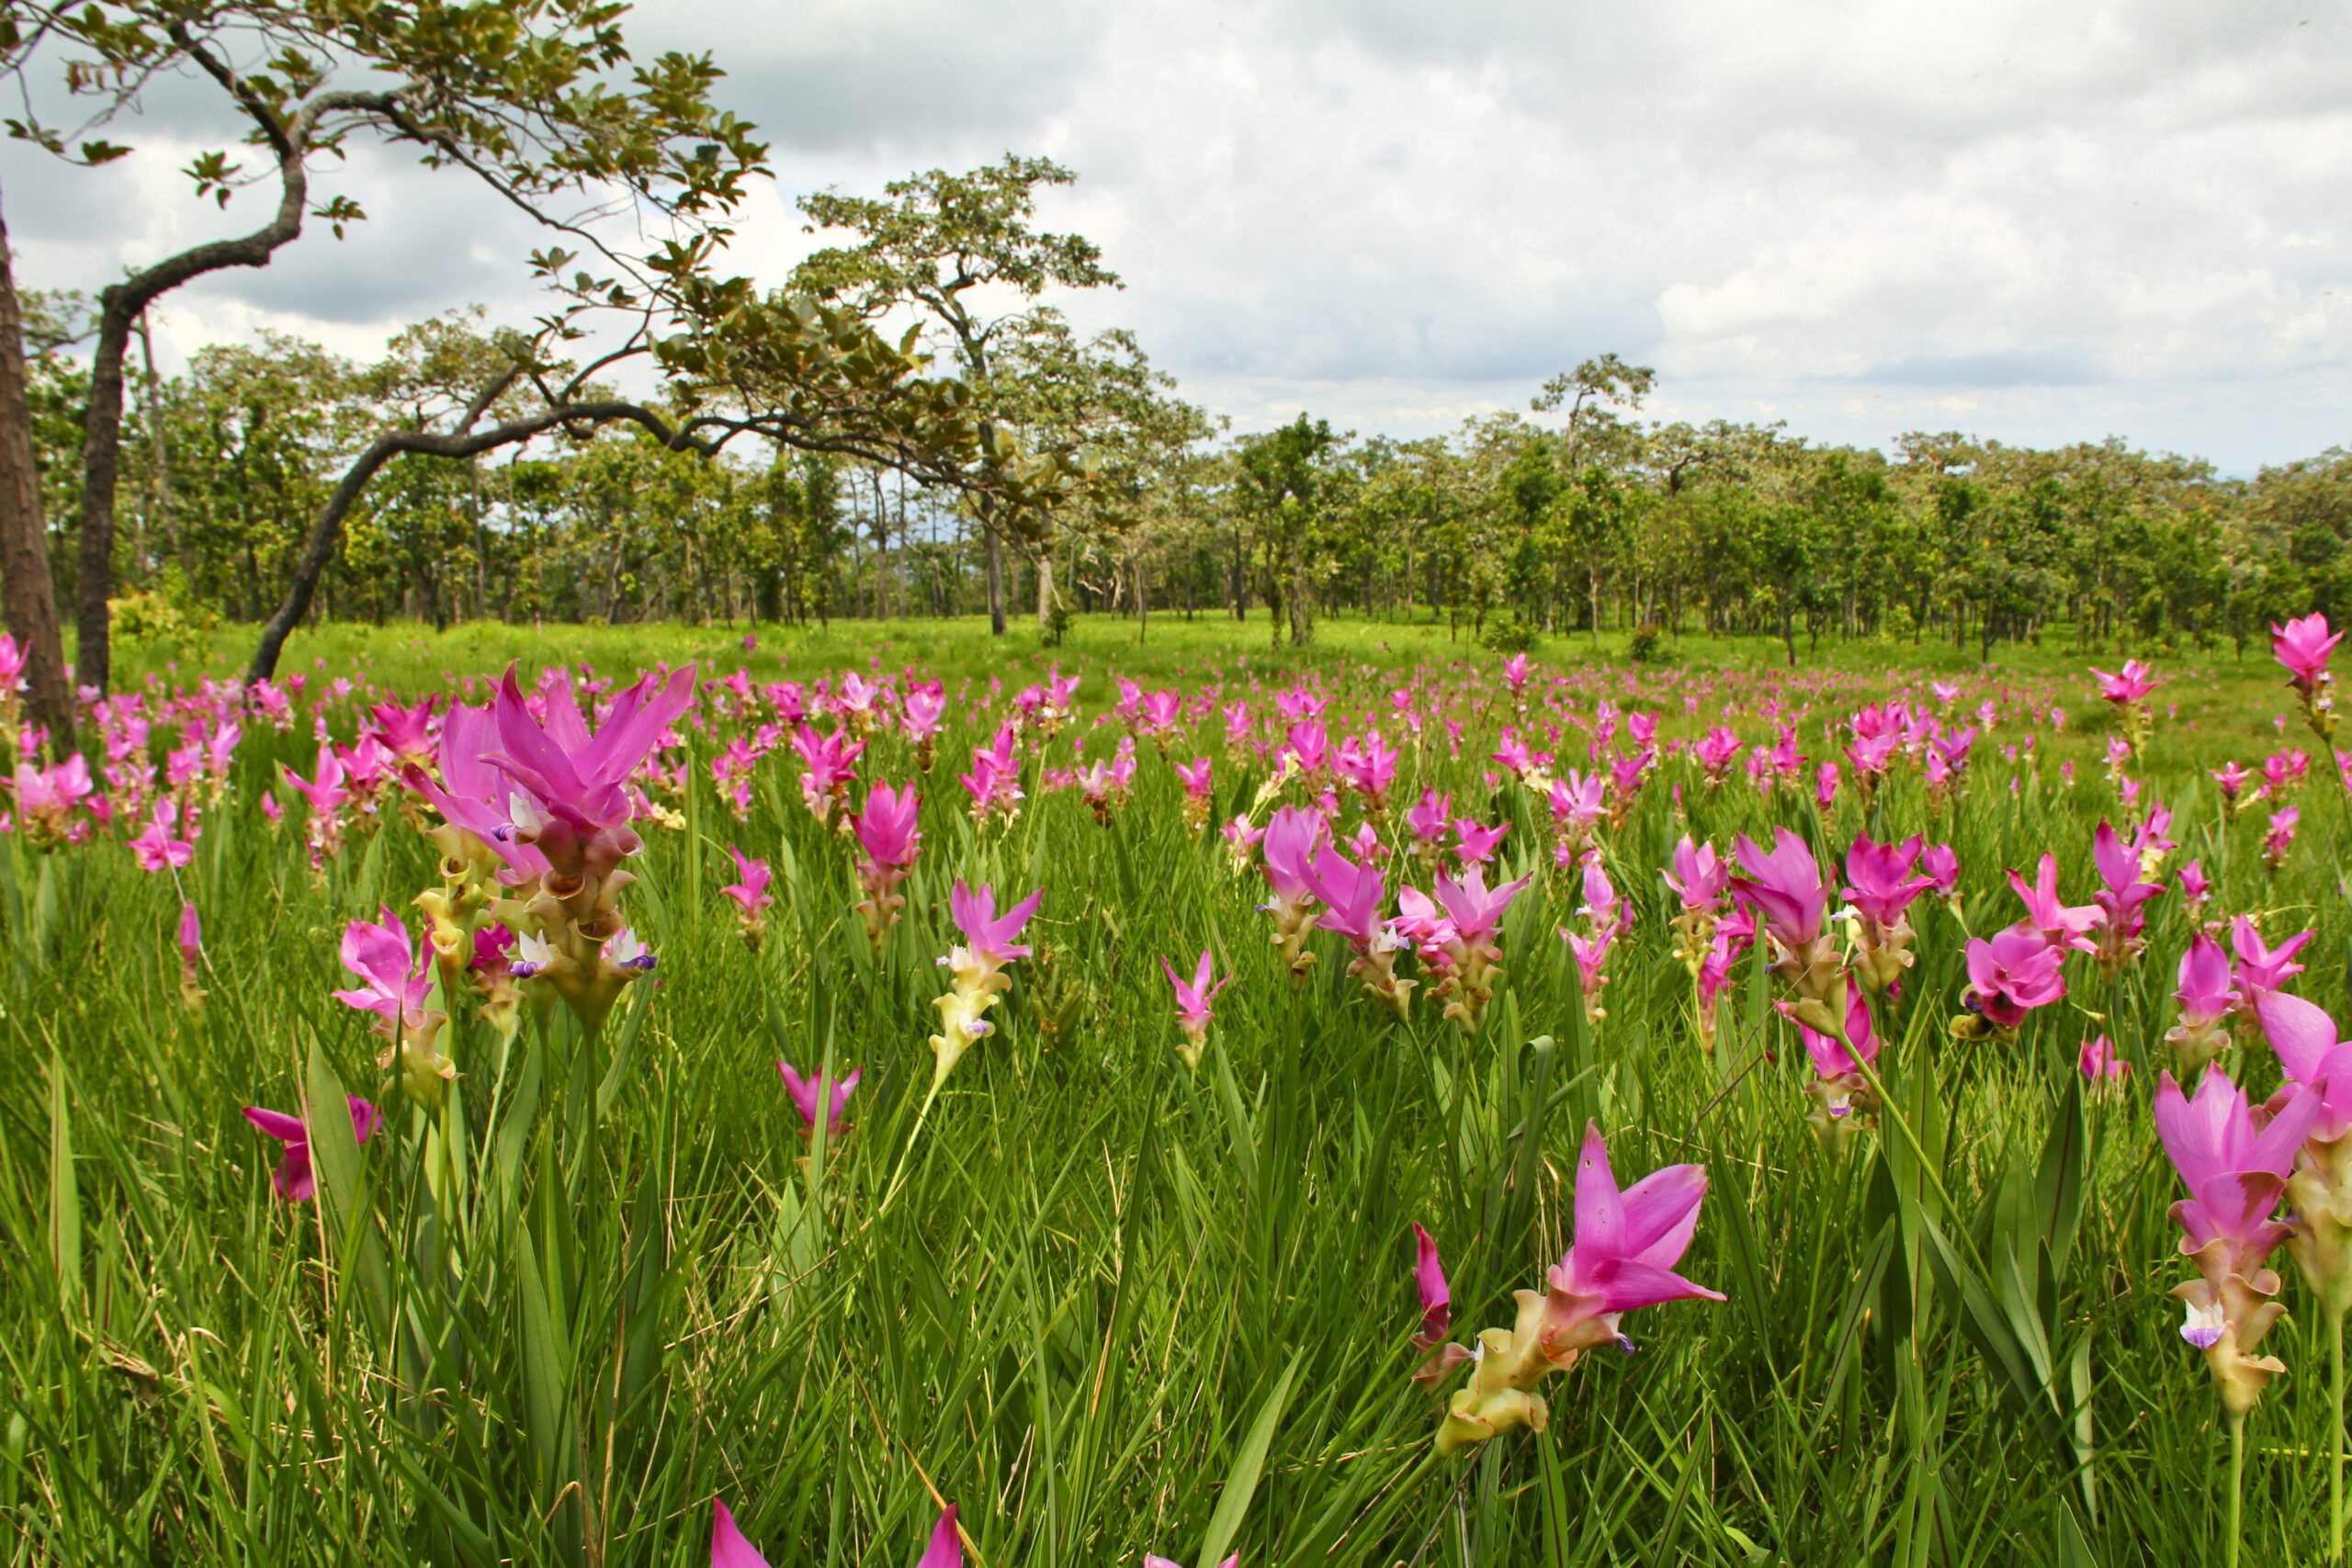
[
  {"x": 2131, "y": 684},
  {"x": 2306, "y": 1040},
  {"x": 1193, "y": 996},
  {"x": 578, "y": 781},
  {"x": 396, "y": 980},
  {"x": 1471, "y": 910},
  {"x": 156, "y": 849},
  {"x": 989, "y": 934},
  {"x": 2061, "y": 926},
  {"x": 2236, "y": 1168},
  {"x": 1700, "y": 875},
  {"x": 2012, "y": 974},
  {"x": 1288, "y": 850},
  {"x": 886, "y": 828},
  {"x": 1627, "y": 1243},
  {"x": 750, "y": 889},
  {"x": 1196, "y": 778},
  {"x": 808, "y": 1096},
  {"x": 1881, "y": 884},
  {"x": 2280, "y": 836},
  {"x": 2100, "y": 1063},
  {"x": 1475, "y": 845},
  {"x": 2303, "y": 645},
  {"x": 2261, "y": 968},
  {"x": 1429, "y": 819},
  {"x": 293, "y": 1179},
  {"x": 1783, "y": 887},
  {"x": 1940, "y": 864}
]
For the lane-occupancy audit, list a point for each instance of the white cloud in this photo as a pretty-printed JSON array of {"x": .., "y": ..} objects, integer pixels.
[{"x": 2044, "y": 223}]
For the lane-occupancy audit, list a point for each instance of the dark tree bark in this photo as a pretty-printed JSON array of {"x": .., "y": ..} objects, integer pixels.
[{"x": 24, "y": 582}]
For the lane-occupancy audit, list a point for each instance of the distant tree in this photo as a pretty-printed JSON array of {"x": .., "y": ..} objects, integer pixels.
[{"x": 939, "y": 245}]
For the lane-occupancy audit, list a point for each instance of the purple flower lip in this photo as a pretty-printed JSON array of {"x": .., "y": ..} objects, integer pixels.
[
  {"x": 2203, "y": 1338},
  {"x": 523, "y": 971},
  {"x": 643, "y": 963}
]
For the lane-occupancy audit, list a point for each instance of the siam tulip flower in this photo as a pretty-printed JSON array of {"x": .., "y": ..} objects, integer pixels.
[
  {"x": 2195, "y": 890},
  {"x": 2100, "y": 1062},
  {"x": 2231, "y": 780},
  {"x": 2207, "y": 1002},
  {"x": 1429, "y": 821},
  {"x": 191, "y": 943},
  {"x": 808, "y": 1096},
  {"x": 1699, "y": 878},
  {"x": 1578, "y": 804},
  {"x": 1288, "y": 851},
  {"x": 1241, "y": 840},
  {"x": 994, "y": 782},
  {"x": 1473, "y": 955},
  {"x": 1717, "y": 752},
  {"x": 2280, "y": 838},
  {"x": 1735, "y": 933},
  {"x": 1784, "y": 891},
  {"x": 1940, "y": 864},
  {"x": 1475, "y": 844},
  {"x": 889, "y": 842},
  {"x": 156, "y": 848},
  {"x": 2262, "y": 969},
  {"x": 2234, "y": 1164},
  {"x": 1605, "y": 917},
  {"x": 2062, "y": 925},
  {"x": 2303, "y": 645},
  {"x": 325, "y": 795},
  {"x": 1367, "y": 764},
  {"x": 1825, "y": 789},
  {"x": 1437, "y": 1312},
  {"x": 1199, "y": 791},
  {"x": 1870, "y": 758},
  {"x": 832, "y": 768},
  {"x": 493, "y": 973},
  {"x": 573, "y": 804},
  {"x": 2123, "y": 902},
  {"x": 1193, "y": 1000},
  {"x": 406, "y": 732},
  {"x": 2319, "y": 1191},
  {"x": 2008, "y": 976},
  {"x": 2132, "y": 684},
  {"x": 750, "y": 892},
  {"x": 1626, "y": 1246},
  {"x": 1515, "y": 677},
  {"x": 1881, "y": 887},
  {"x": 991, "y": 941},
  {"x": 925, "y": 706},
  {"x": 293, "y": 1178},
  {"x": 1841, "y": 1085},
  {"x": 397, "y": 983},
  {"x": 729, "y": 1549},
  {"x": 1352, "y": 895}
]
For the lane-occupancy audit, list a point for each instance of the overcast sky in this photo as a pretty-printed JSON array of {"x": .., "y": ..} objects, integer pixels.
[{"x": 2035, "y": 221}]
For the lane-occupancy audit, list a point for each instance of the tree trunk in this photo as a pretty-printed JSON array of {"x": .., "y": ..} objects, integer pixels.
[
  {"x": 101, "y": 467},
  {"x": 1046, "y": 594},
  {"x": 30, "y": 595},
  {"x": 995, "y": 581}
]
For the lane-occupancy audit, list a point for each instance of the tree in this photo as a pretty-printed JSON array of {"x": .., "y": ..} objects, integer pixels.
[
  {"x": 535, "y": 99},
  {"x": 932, "y": 243},
  {"x": 31, "y": 603}
]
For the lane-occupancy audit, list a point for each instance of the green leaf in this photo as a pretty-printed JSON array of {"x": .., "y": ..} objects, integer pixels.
[
  {"x": 1249, "y": 1465},
  {"x": 64, "y": 1193}
]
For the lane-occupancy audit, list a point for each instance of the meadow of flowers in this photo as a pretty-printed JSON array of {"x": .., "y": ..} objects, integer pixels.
[{"x": 778, "y": 1109}]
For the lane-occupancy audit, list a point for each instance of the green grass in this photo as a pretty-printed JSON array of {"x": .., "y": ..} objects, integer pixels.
[{"x": 1116, "y": 1306}]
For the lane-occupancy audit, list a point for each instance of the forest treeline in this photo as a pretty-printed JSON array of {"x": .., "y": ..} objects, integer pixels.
[{"x": 1574, "y": 515}]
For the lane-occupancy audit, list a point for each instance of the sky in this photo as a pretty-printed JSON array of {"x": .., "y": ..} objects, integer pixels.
[{"x": 2035, "y": 222}]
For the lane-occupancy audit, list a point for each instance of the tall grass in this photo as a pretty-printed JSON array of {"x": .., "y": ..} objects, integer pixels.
[{"x": 1117, "y": 1305}]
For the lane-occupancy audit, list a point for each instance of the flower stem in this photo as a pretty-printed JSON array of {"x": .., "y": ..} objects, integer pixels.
[
  {"x": 2237, "y": 1487},
  {"x": 2336, "y": 1445},
  {"x": 899, "y": 1176}
]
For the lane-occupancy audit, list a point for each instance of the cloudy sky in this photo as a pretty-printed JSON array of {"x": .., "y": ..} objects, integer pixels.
[{"x": 2040, "y": 222}]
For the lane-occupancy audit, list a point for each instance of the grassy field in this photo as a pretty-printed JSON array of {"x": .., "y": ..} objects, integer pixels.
[{"x": 1105, "y": 1302}]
